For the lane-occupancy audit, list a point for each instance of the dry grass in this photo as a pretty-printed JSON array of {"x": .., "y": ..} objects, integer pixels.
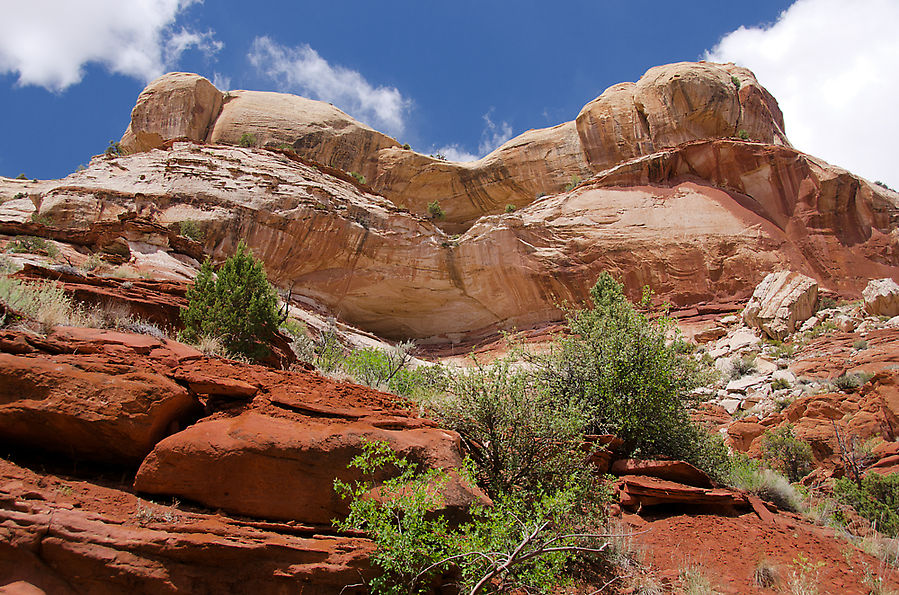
[{"x": 766, "y": 575}]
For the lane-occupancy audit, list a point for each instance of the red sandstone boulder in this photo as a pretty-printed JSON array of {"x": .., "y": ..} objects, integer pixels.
[
  {"x": 675, "y": 471},
  {"x": 284, "y": 467},
  {"x": 637, "y": 491},
  {"x": 109, "y": 413}
]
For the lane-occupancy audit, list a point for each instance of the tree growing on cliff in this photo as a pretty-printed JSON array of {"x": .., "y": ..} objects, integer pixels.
[{"x": 238, "y": 305}]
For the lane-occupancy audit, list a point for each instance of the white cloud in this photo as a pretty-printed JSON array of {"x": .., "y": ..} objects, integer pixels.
[
  {"x": 493, "y": 135},
  {"x": 222, "y": 82},
  {"x": 48, "y": 42},
  {"x": 303, "y": 70},
  {"x": 455, "y": 152},
  {"x": 832, "y": 65}
]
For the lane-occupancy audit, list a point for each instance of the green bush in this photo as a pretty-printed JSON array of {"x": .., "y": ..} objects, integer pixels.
[
  {"x": 743, "y": 135},
  {"x": 434, "y": 210},
  {"x": 32, "y": 245},
  {"x": 191, "y": 230},
  {"x": 876, "y": 499},
  {"x": 114, "y": 149},
  {"x": 786, "y": 453},
  {"x": 575, "y": 180},
  {"x": 741, "y": 366},
  {"x": 780, "y": 384},
  {"x": 517, "y": 545},
  {"x": 749, "y": 475},
  {"x": 632, "y": 382},
  {"x": 21, "y": 177},
  {"x": 239, "y": 306},
  {"x": 247, "y": 140},
  {"x": 510, "y": 208},
  {"x": 849, "y": 382},
  {"x": 358, "y": 177},
  {"x": 407, "y": 147},
  {"x": 19, "y": 195},
  {"x": 735, "y": 81},
  {"x": 518, "y": 435}
]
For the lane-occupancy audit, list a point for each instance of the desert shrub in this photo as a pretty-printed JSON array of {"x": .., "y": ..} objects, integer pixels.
[
  {"x": 45, "y": 302},
  {"x": 518, "y": 435},
  {"x": 736, "y": 81},
  {"x": 780, "y": 384},
  {"x": 32, "y": 245},
  {"x": 743, "y": 135},
  {"x": 632, "y": 382},
  {"x": 247, "y": 140},
  {"x": 21, "y": 177},
  {"x": 191, "y": 230},
  {"x": 407, "y": 147},
  {"x": 510, "y": 208},
  {"x": 784, "y": 350},
  {"x": 19, "y": 195},
  {"x": 751, "y": 476},
  {"x": 575, "y": 180},
  {"x": 434, "y": 210},
  {"x": 238, "y": 306},
  {"x": 358, "y": 177},
  {"x": 766, "y": 575},
  {"x": 694, "y": 581},
  {"x": 114, "y": 149},
  {"x": 329, "y": 352},
  {"x": 741, "y": 366},
  {"x": 786, "y": 453},
  {"x": 860, "y": 344},
  {"x": 378, "y": 367},
  {"x": 848, "y": 382},
  {"x": 876, "y": 498},
  {"x": 517, "y": 544}
]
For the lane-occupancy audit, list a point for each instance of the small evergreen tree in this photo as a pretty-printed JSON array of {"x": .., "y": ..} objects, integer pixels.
[{"x": 238, "y": 305}]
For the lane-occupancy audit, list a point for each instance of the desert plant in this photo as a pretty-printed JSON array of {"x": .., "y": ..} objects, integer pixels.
[
  {"x": 114, "y": 149},
  {"x": 518, "y": 434},
  {"x": 515, "y": 544},
  {"x": 742, "y": 366},
  {"x": 407, "y": 147},
  {"x": 32, "y": 245},
  {"x": 860, "y": 345},
  {"x": 358, "y": 177},
  {"x": 766, "y": 575},
  {"x": 238, "y": 306},
  {"x": 751, "y": 476},
  {"x": 633, "y": 382},
  {"x": 435, "y": 211},
  {"x": 191, "y": 230},
  {"x": 780, "y": 384},
  {"x": 786, "y": 453},
  {"x": 247, "y": 140},
  {"x": 575, "y": 180},
  {"x": 21, "y": 177},
  {"x": 876, "y": 498},
  {"x": 736, "y": 81},
  {"x": 743, "y": 135},
  {"x": 694, "y": 581},
  {"x": 19, "y": 195},
  {"x": 510, "y": 208},
  {"x": 46, "y": 303},
  {"x": 804, "y": 576},
  {"x": 849, "y": 382}
]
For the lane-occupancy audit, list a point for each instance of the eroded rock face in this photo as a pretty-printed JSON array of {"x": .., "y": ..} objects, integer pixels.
[
  {"x": 669, "y": 105},
  {"x": 104, "y": 409},
  {"x": 177, "y": 105},
  {"x": 882, "y": 297},
  {"x": 780, "y": 301},
  {"x": 698, "y": 223}
]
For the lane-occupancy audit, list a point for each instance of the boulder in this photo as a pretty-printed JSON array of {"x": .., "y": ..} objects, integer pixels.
[
  {"x": 882, "y": 297},
  {"x": 238, "y": 464},
  {"x": 637, "y": 492},
  {"x": 779, "y": 302},
  {"x": 676, "y": 471},
  {"x": 177, "y": 105},
  {"x": 106, "y": 412}
]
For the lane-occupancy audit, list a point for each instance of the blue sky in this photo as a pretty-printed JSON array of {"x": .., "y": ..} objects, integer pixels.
[{"x": 459, "y": 77}]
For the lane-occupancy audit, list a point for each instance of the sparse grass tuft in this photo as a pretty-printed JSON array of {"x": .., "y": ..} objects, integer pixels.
[
  {"x": 766, "y": 574},
  {"x": 741, "y": 366}
]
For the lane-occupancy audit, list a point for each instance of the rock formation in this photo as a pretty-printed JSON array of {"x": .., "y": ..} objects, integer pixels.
[
  {"x": 882, "y": 297},
  {"x": 780, "y": 302}
]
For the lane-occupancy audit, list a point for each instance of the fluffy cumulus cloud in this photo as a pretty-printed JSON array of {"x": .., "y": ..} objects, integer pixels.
[
  {"x": 48, "y": 43},
  {"x": 832, "y": 65},
  {"x": 302, "y": 70}
]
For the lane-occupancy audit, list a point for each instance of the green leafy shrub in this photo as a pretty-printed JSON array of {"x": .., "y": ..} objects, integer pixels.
[
  {"x": 517, "y": 544},
  {"x": 786, "y": 453},
  {"x": 632, "y": 382},
  {"x": 510, "y": 208},
  {"x": 575, "y": 180},
  {"x": 358, "y": 177},
  {"x": 780, "y": 384},
  {"x": 19, "y": 195},
  {"x": 32, "y": 245},
  {"x": 114, "y": 149},
  {"x": 191, "y": 229},
  {"x": 741, "y": 366},
  {"x": 518, "y": 435},
  {"x": 247, "y": 140},
  {"x": 21, "y": 177},
  {"x": 876, "y": 499},
  {"x": 743, "y": 135},
  {"x": 239, "y": 306},
  {"x": 736, "y": 81},
  {"x": 407, "y": 147},
  {"x": 45, "y": 302},
  {"x": 434, "y": 210}
]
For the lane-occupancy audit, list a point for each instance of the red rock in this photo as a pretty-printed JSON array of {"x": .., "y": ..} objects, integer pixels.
[
  {"x": 111, "y": 416},
  {"x": 238, "y": 463},
  {"x": 674, "y": 471},
  {"x": 206, "y": 384},
  {"x": 742, "y": 434},
  {"x": 21, "y": 588},
  {"x": 643, "y": 491}
]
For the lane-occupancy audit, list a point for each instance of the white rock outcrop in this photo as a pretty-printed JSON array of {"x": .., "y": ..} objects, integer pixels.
[
  {"x": 882, "y": 297},
  {"x": 781, "y": 301}
]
